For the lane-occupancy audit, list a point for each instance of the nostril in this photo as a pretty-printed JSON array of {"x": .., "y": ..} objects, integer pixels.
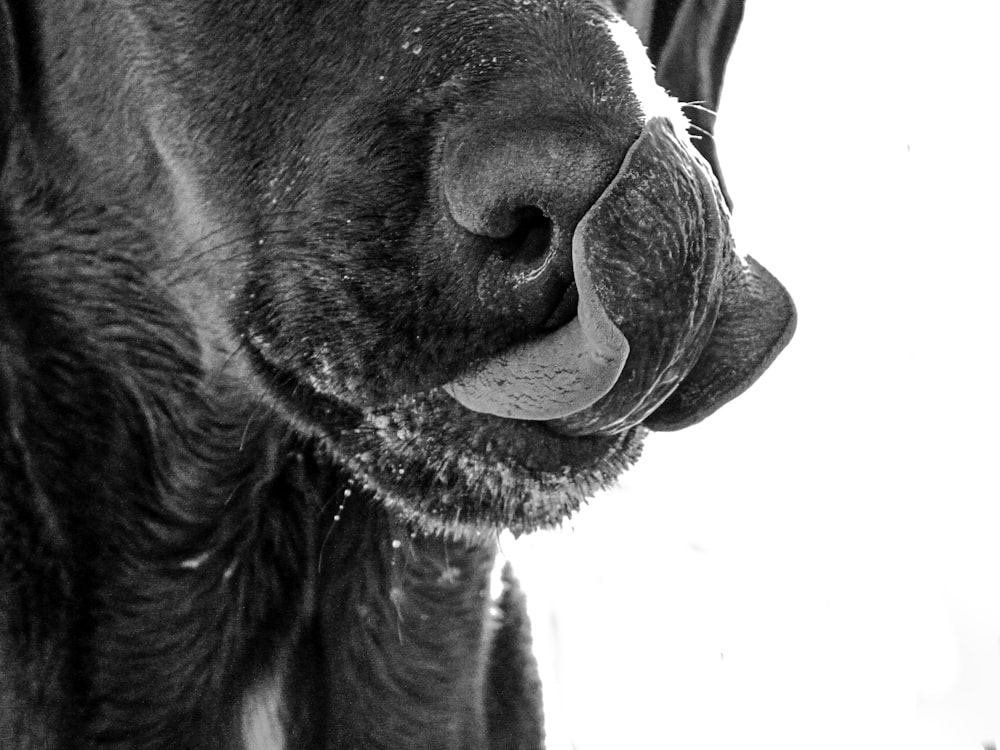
[
  {"x": 531, "y": 237},
  {"x": 528, "y": 268},
  {"x": 511, "y": 195}
]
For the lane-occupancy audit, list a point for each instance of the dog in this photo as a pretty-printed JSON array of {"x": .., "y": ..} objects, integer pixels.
[{"x": 300, "y": 304}]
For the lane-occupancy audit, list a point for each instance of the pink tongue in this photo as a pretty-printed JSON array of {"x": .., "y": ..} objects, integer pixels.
[
  {"x": 644, "y": 260},
  {"x": 557, "y": 375}
]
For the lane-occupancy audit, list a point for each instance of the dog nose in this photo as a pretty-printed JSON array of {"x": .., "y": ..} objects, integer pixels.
[{"x": 518, "y": 193}]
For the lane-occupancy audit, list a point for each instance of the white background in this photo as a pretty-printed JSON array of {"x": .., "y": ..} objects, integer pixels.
[{"x": 818, "y": 564}]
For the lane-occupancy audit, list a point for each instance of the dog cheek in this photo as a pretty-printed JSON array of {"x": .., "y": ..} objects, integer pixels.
[
  {"x": 358, "y": 320},
  {"x": 351, "y": 286},
  {"x": 312, "y": 320}
]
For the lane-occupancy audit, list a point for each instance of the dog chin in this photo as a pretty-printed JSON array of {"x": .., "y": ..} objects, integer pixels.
[{"x": 448, "y": 470}]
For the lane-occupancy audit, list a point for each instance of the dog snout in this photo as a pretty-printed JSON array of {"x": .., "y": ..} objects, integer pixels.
[{"x": 516, "y": 192}]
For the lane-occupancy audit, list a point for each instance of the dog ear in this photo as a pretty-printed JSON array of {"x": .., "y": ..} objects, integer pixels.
[
  {"x": 689, "y": 41},
  {"x": 8, "y": 80}
]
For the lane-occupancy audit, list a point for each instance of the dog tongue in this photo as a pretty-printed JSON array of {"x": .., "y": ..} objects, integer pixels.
[
  {"x": 644, "y": 257},
  {"x": 557, "y": 375}
]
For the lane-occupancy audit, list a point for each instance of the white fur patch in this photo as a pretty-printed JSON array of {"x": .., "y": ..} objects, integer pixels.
[
  {"x": 655, "y": 102},
  {"x": 262, "y": 728}
]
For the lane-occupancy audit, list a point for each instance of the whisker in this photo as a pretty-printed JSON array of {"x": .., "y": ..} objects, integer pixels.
[
  {"x": 217, "y": 374},
  {"x": 250, "y": 417},
  {"x": 208, "y": 238},
  {"x": 700, "y": 106},
  {"x": 707, "y": 133},
  {"x": 189, "y": 262}
]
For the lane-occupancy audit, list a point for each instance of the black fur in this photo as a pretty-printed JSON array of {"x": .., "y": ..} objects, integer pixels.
[
  {"x": 206, "y": 207},
  {"x": 165, "y": 548}
]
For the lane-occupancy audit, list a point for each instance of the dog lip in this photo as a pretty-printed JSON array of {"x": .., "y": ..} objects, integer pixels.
[
  {"x": 298, "y": 399},
  {"x": 655, "y": 245},
  {"x": 325, "y": 415}
]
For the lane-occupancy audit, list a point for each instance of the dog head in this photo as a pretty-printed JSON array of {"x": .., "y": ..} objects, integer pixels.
[{"x": 469, "y": 245}]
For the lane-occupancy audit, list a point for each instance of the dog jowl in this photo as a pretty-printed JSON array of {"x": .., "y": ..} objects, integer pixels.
[{"x": 301, "y": 303}]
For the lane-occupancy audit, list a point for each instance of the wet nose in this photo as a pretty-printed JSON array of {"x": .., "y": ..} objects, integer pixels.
[{"x": 518, "y": 193}]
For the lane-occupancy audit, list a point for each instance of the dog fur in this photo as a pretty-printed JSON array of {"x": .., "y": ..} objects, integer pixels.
[{"x": 192, "y": 556}]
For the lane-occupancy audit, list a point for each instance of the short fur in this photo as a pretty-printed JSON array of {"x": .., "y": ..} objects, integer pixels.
[{"x": 198, "y": 200}]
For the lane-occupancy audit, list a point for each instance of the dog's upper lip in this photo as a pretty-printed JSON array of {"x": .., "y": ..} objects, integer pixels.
[{"x": 296, "y": 396}]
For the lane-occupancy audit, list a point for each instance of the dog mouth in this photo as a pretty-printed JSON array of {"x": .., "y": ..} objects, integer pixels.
[
  {"x": 446, "y": 469},
  {"x": 646, "y": 262},
  {"x": 670, "y": 324},
  {"x": 532, "y": 445}
]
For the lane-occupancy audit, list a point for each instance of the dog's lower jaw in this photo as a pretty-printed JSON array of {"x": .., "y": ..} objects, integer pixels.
[{"x": 447, "y": 470}]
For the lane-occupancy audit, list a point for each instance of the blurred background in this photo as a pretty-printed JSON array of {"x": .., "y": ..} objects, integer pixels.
[{"x": 818, "y": 564}]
